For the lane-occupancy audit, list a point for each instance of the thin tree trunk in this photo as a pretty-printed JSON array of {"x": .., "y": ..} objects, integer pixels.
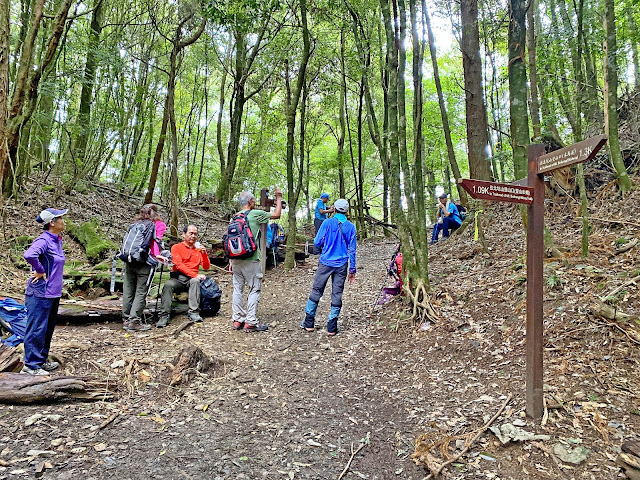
[
  {"x": 632, "y": 27},
  {"x": 86, "y": 94},
  {"x": 153, "y": 178},
  {"x": 5, "y": 51},
  {"x": 611, "y": 98},
  {"x": 451, "y": 155},
  {"x": 341, "y": 118}
]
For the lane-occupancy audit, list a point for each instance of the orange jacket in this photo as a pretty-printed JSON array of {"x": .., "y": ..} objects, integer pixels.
[{"x": 188, "y": 260}]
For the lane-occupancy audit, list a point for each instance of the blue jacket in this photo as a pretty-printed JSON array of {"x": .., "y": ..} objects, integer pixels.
[
  {"x": 455, "y": 214},
  {"x": 338, "y": 246}
]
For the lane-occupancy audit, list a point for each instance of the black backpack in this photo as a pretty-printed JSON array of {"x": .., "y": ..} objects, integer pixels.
[
  {"x": 137, "y": 242},
  {"x": 461, "y": 210},
  {"x": 210, "y": 295}
]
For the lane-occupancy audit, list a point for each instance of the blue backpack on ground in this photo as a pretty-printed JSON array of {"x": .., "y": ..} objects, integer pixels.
[
  {"x": 210, "y": 296},
  {"x": 13, "y": 318}
]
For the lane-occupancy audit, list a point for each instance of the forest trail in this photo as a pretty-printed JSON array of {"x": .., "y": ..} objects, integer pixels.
[{"x": 288, "y": 404}]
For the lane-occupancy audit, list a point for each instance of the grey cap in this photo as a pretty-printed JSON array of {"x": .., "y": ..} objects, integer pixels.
[{"x": 442, "y": 195}]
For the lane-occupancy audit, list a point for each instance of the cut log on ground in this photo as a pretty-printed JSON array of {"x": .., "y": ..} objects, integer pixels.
[
  {"x": 9, "y": 359},
  {"x": 17, "y": 389}
]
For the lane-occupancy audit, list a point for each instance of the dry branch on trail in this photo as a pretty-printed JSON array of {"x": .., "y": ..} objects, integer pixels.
[{"x": 17, "y": 389}]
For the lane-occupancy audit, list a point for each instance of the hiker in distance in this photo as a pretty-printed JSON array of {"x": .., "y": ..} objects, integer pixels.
[
  {"x": 337, "y": 238},
  {"x": 447, "y": 220},
  {"x": 321, "y": 211},
  {"x": 187, "y": 257},
  {"x": 138, "y": 274},
  {"x": 44, "y": 289},
  {"x": 248, "y": 271}
]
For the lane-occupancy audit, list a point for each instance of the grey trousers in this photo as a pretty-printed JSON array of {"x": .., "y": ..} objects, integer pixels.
[
  {"x": 338, "y": 275},
  {"x": 135, "y": 286},
  {"x": 246, "y": 272},
  {"x": 180, "y": 284}
]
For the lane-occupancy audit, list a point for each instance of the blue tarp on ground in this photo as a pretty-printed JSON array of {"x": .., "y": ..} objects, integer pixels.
[{"x": 13, "y": 317}]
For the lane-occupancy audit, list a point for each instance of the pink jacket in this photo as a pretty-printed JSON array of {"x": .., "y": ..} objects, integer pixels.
[{"x": 161, "y": 227}]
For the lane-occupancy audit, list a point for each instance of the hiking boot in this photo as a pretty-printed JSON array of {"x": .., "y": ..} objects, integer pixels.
[
  {"x": 50, "y": 366},
  {"x": 137, "y": 326},
  {"x": 195, "y": 317},
  {"x": 125, "y": 323},
  {"x": 238, "y": 325},
  {"x": 33, "y": 371},
  {"x": 306, "y": 329},
  {"x": 162, "y": 322},
  {"x": 258, "y": 327}
]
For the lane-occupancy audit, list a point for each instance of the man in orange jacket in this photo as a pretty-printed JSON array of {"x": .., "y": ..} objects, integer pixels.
[{"x": 188, "y": 256}]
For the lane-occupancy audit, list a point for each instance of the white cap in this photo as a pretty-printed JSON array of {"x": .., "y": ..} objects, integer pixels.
[
  {"x": 49, "y": 214},
  {"x": 341, "y": 205}
]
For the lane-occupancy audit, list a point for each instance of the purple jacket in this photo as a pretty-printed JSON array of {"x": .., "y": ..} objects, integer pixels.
[{"x": 46, "y": 256}]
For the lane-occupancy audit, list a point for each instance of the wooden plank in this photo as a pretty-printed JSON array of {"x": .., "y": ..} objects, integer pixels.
[{"x": 576, "y": 153}]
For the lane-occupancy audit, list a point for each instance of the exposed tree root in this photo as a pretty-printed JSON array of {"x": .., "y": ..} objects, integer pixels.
[{"x": 422, "y": 308}]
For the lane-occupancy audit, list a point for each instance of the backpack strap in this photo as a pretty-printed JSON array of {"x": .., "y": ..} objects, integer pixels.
[{"x": 342, "y": 233}]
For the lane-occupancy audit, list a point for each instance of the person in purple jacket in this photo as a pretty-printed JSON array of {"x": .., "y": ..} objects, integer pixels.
[{"x": 44, "y": 288}]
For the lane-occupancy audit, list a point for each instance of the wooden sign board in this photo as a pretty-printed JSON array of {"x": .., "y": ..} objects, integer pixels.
[
  {"x": 497, "y": 192},
  {"x": 576, "y": 153}
]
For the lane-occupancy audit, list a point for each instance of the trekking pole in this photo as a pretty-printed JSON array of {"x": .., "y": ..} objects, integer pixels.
[
  {"x": 155, "y": 311},
  {"x": 112, "y": 288}
]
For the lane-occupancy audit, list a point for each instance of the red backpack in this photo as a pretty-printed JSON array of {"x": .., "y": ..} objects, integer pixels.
[{"x": 239, "y": 241}]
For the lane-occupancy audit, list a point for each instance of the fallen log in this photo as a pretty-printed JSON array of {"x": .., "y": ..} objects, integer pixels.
[
  {"x": 17, "y": 389},
  {"x": 9, "y": 359}
]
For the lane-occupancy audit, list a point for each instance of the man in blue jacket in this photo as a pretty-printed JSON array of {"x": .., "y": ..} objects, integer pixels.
[
  {"x": 448, "y": 219},
  {"x": 337, "y": 238}
]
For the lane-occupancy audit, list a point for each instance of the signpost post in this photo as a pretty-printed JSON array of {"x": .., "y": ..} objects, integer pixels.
[{"x": 530, "y": 191}]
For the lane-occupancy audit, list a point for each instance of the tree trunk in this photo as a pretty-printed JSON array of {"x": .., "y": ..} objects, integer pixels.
[
  {"x": 632, "y": 27},
  {"x": 293, "y": 99},
  {"x": 17, "y": 389},
  {"x": 611, "y": 97},
  {"x": 86, "y": 94},
  {"x": 5, "y": 51},
  {"x": 443, "y": 108},
  {"x": 153, "y": 178},
  {"x": 341, "y": 118},
  {"x": 533, "y": 70},
  {"x": 518, "y": 87},
  {"x": 25, "y": 92},
  {"x": 476, "y": 117}
]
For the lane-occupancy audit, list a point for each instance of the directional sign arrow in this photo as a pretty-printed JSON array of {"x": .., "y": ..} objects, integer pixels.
[
  {"x": 497, "y": 192},
  {"x": 576, "y": 153}
]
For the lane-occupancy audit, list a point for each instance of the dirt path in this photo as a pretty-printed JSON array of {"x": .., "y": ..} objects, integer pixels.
[{"x": 287, "y": 404}]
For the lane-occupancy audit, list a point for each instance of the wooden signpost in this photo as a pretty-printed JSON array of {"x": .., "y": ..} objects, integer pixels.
[{"x": 530, "y": 191}]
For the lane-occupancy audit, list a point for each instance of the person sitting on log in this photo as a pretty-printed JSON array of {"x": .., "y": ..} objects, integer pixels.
[
  {"x": 187, "y": 257},
  {"x": 44, "y": 289},
  {"x": 447, "y": 220}
]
